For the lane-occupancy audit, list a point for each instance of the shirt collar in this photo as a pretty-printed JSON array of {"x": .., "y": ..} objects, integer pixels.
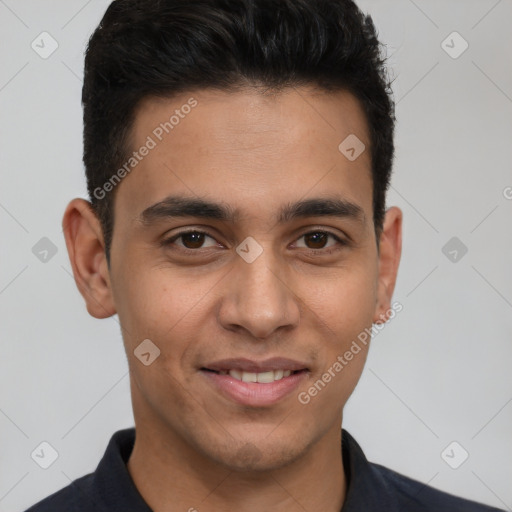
[
  {"x": 367, "y": 489},
  {"x": 112, "y": 481}
]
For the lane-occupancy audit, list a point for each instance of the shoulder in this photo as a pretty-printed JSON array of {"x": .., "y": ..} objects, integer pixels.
[
  {"x": 414, "y": 495},
  {"x": 376, "y": 487},
  {"x": 76, "y": 496},
  {"x": 109, "y": 487}
]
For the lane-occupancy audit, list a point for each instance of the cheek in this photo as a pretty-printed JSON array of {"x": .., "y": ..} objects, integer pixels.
[
  {"x": 164, "y": 310},
  {"x": 343, "y": 301},
  {"x": 341, "y": 312},
  {"x": 157, "y": 302},
  {"x": 341, "y": 322}
]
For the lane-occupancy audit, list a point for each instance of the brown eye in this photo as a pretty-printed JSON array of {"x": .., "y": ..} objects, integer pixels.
[
  {"x": 317, "y": 240},
  {"x": 190, "y": 240},
  {"x": 193, "y": 240}
]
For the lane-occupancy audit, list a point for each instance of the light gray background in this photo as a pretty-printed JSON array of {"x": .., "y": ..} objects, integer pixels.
[{"x": 439, "y": 372}]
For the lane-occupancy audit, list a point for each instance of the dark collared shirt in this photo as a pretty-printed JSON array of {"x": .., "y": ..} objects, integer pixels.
[{"x": 370, "y": 487}]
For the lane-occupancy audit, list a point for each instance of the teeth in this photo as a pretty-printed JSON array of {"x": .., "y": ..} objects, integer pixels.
[
  {"x": 235, "y": 374},
  {"x": 249, "y": 377},
  {"x": 263, "y": 377}
]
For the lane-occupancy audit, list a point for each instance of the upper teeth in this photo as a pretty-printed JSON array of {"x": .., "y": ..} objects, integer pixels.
[{"x": 263, "y": 377}]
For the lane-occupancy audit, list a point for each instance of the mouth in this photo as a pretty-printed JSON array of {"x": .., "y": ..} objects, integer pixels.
[
  {"x": 252, "y": 383},
  {"x": 259, "y": 377}
]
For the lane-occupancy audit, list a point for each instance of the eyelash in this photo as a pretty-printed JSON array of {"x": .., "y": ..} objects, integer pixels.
[{"x": 171, "y": 240}]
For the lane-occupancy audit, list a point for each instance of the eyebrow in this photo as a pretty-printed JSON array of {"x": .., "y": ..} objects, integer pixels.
[{"x": 180, "y": 206}]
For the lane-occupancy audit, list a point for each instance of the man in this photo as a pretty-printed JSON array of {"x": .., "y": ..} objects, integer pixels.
[{"x": 238, "y": 154}]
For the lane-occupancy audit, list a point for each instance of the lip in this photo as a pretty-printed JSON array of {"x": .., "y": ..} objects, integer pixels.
[
  {"x": 249, "y": 365},
  {"x": 254, "y": 394}
]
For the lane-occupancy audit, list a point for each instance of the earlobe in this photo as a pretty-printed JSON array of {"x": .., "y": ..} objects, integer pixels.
[
  {"x": 389, "y": 259},
  {"x": 85, "y": 245}
]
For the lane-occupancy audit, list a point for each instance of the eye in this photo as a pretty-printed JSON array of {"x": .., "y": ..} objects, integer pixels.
[
  {"x": 319, "y": 239},
  {"x": 190, "y": 240}
]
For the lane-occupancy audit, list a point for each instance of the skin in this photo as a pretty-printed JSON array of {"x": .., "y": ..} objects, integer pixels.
[{"x": 196, "y": 448}]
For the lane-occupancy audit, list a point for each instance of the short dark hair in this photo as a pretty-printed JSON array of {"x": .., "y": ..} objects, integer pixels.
[{"x": 160, "y": 48}]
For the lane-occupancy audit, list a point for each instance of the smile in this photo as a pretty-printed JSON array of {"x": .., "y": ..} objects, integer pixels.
[
  {"x": 261, "y": 378},
  {"x": 255, "y": 389}
]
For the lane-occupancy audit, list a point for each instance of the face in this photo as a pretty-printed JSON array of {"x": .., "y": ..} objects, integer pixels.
[{"x": 250, "y": 286}]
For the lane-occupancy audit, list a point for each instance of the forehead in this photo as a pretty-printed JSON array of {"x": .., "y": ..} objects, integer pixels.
[{"x": 252, "y": 150}]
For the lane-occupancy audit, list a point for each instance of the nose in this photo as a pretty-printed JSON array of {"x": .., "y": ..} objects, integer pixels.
[{"x": 259, "y": 298}]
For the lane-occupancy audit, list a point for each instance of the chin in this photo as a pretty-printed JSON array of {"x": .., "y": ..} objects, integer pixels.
[{"x": 256, "y": 457}]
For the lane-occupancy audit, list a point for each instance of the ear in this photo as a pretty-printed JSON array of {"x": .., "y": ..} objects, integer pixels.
[
  {"x": 86, "y": 249},
  {"x": 389, "y": 259}
]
